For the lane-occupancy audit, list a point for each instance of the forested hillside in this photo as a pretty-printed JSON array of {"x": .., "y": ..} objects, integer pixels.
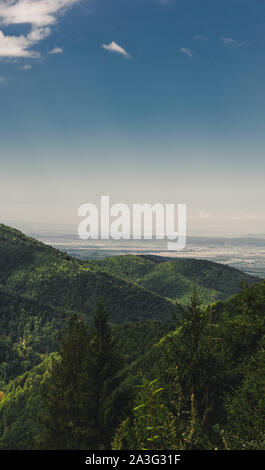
[
  {"x": 41, "y": 273},
  {"x": 125, "y": 360},
  {"x": 174, "y": 278},
  {"x": 28, "y": 330},
  {"x": 134, "y": 282},
  {"x": 213, "y": 399}
]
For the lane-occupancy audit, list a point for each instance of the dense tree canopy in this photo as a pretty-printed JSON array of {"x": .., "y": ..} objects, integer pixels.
[{"x": 139, "y": 370}]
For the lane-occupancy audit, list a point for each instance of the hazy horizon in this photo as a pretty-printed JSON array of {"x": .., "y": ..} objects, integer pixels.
[{"x": 245, "y": 254}]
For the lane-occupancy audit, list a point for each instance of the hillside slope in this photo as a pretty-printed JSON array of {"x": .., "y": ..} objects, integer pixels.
[
  {"x": 134, "y": 287},
  {"x": 241, "y": 326},
  {"x": 48, "y": 276},
  {"x": 174, "y": 278},
  {"x": 21, "y": 404},
  {"x": 20, "y": 251},
  {"x": 28, "y": 330},
  {"x": 239, "y": 321}
]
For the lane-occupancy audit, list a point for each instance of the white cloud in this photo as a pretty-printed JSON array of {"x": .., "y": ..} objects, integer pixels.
[
  {"x": 39, "y": 14},
  {"x": 2, "y": 79},
  {"x": 114, "y": 47},
  {"x": 27, "y": 67},
  {"x": 35, "y": 12},
  {"x": 233, "y": 42},
  {"x": 20, "y": 46},
  {"x": 186, "y": 51},
  {"x": 56, "y": 50}
]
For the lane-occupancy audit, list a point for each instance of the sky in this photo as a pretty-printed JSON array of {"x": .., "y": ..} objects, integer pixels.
[{"x": 147, "y": 101}]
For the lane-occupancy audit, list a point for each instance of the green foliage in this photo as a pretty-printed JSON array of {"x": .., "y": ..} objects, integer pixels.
[
  {"x": 131, "y": 341},
  {"x": 80, "y": 395},
  {"x": 209, "y": 362},
  {"x": 135, "y": 340},
  {"x": 220, "y": 389},
  {"x": 246, "y": 407},
  {"x": 201, "y": 370},
  {"x": 135, "y": 288},
  {"x": 72, "y": 285},
  {"x": 160, "y": 424},
  {"x": 104, "y": 368},
  {"x": 152, "y": 426},
  {"x": 67, "y": 396},
  {"x": 29, "y": 330},
  {"x": 21, "y": 408},
  {"x": 18, "y": 251},
  {"x": 203, "y": 360},
  {"x": 173, "y": 278},
  {"x": 48, "y": 276}
]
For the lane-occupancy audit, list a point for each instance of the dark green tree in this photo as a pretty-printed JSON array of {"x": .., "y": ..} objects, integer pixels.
[
  {"x": 81, "y": 397},
  {"x": 104, "y": 368},
  {"x": 202, "y": 361},
  {"x": 68, "y": 421}
]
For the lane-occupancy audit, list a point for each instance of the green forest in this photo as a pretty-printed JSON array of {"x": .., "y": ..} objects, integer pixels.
[{"x": 129, "y": 352}]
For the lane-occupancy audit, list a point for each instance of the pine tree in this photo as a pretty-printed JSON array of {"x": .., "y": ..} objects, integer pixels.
[
  {"x": 81, "y": 399},
  {"x": 105, "y": 366},
  {"x": 197, "y": 351},
  {"x": 201, "y": 362},
  {"x": 68, "y": 423}
]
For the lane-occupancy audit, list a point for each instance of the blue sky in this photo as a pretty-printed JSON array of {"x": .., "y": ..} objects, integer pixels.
[{"x": 143, "y": 100}]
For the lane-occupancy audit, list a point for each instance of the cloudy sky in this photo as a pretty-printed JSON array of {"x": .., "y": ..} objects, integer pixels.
[{"x": 142, "y": 100}]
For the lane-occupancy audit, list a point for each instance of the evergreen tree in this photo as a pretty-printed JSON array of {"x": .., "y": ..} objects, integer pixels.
[
  {"x": 105, "y": 364},
  {"x": 68, "y": 423},
  {"x": 81, "y": 400},
  {"x": 197, "y": 350}
]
